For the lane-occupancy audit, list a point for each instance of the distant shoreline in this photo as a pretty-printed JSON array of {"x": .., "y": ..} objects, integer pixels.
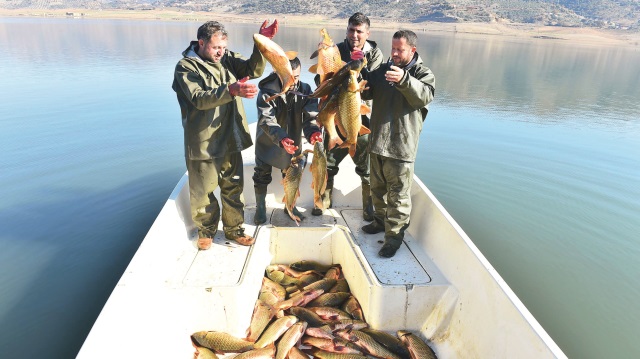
[{"x": 587, "y": 36}]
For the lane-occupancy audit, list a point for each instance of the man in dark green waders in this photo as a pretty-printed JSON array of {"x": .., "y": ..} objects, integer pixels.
[
  {"x": 357, "y": 38},
  {"x": 210, "y": 82},
  {"x": 401, "y": 91},
  {"x": 281, "y": 122}
]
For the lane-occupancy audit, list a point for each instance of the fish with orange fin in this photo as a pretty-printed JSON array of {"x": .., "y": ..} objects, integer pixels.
[
  {"x": 329, "y": 60},
  {"x": 291, "y": 183},
  {"x": 279, "y": 60},
  {"x": 350, "y": 109}
]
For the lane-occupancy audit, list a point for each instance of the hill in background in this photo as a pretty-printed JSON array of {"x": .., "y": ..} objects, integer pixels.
[{"x": 612, "y": 14}]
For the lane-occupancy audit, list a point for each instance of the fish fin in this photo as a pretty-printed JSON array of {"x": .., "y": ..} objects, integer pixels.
[
  {"x": 333, "y": 142},
  {"x": 313, "y": 69},
  {"x": 313, "y": 56},
  {"x": 338, "y": 122},
  {"x": 291, "y": 54},
  {"x": 271, "y": 98},
  {"x": 364, "y": 131},
  {"x": 362, "y": 85},
  {"x": 364, "y": 109},
  {"x": 317, "y": 201},
  {"x": 297, "y": 93}
]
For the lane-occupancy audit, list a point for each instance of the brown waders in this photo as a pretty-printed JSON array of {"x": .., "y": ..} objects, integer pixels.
[
  {"x": 204, "y": 177},
  {"x": 393, "y": 178},
  {"x": 361, "y": 160}
]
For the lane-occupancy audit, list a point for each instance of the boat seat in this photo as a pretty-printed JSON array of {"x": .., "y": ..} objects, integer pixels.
[{"x": 398, "y": 292}]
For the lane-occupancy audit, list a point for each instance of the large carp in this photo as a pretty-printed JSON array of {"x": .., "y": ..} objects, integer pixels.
[
  {"x": 350, "y": 109},
  {"x": 220, "y": 342},
  {"x": 329, "y": 61},
  {"x": 279, "y": 60},
  {"x": 291, "y": 183},
  {"x": 327, "y": 118},
  {"x": 325, "y": 88},
  {"x": 416, "y": 346},
  {"x": 319, "y": 174}
]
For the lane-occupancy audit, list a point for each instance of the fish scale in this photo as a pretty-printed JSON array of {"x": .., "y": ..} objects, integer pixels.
[
  {"x": 350, "y": 108},
  {"x": 417, "y": 347},
  {"x": 367, "y": 344},
  {"x": 291, "y": 183},
  {"x": 221, "y": 342},
  {"x": 319, "y": 174}
]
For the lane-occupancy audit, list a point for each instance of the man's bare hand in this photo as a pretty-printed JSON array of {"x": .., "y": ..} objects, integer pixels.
[
  {"x": 394, "y": 74},
  {"x": 243, "y": 89}
]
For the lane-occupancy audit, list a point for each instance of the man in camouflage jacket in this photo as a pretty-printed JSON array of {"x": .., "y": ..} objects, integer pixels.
[
  {"x": 401, "y": 91},
  {"x": 210, "y": 81}
]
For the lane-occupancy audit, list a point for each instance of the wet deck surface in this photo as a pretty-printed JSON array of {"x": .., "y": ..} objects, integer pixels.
[{"x": 223, "y": 263}]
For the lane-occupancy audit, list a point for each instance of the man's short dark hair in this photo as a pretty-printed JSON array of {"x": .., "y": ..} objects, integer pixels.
[
  {"x": 209, "y": 29},
  {"x": 408, "y": 35},
  {"x": 359, "y": 19},
  {"x": 295, "y": 63}
]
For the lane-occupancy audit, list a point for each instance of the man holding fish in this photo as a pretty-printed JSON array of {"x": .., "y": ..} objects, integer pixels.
[
  {"x": 357, "y": 38},
  {"x": 210, "y": 82},
  {"x": 281, "y": 122},
  {"x": 401, "y": 90}
]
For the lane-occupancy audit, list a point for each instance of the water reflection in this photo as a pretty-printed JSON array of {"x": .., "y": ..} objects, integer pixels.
[{"x": 87, "y": 104}]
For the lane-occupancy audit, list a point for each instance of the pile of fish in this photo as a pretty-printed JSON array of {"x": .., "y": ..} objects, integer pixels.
[{"x": 305, "y": 310}]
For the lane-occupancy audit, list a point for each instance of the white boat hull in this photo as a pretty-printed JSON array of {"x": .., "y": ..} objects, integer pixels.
[{"x": 438, "y": 285}]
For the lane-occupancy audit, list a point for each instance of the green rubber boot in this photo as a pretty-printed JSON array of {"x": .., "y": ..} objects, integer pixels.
[{"x": 367, "y": 203}]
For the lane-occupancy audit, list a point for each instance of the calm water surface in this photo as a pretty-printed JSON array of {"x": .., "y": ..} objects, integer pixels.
[{"x": 532, "y": 145}]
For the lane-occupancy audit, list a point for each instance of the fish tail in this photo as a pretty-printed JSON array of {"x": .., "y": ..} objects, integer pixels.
[
  {"x": 317, "y": 201},
  {"x": 352, "y": 150},
  {"x": 271, "y": 98}
]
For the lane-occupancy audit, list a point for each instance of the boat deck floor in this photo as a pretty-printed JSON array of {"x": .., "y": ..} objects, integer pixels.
[{"x": 223, "y": 263}]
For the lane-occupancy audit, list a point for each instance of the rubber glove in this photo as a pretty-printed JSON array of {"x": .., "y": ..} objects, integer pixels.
[
  {"x": 357, "y": 54},
  {"x": 315, "y": 137},
  {"x": 269, "y": 31},
  {"x": 288, "y": 145}
]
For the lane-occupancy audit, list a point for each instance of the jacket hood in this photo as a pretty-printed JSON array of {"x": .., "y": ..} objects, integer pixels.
[
  {"x": 191, "y": 51},
  {"x": 368, "y": 45},
  {"x": 417, "y": 60}
]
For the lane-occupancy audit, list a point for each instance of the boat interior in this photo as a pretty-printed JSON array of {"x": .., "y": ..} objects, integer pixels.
[{"x": 438, "y": 284}]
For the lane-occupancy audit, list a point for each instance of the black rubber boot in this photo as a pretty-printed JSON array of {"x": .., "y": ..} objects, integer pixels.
[
  {"x": 373, "y": 228},
  {"x": 261, "y": 209},
  {"x": 390, "y": 247},
  {"x": 367, "y": 204},
  {"x": 316, "y": 211}
]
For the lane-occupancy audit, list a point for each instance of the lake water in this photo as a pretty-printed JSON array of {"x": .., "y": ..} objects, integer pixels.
[{"x": 533, "y": 146}]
